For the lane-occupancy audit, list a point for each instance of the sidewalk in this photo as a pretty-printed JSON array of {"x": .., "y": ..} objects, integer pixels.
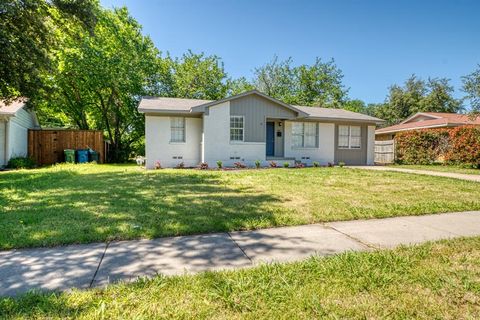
[
  {"x": 461, "y": 176},
  {"x": 84, "y": 266}
]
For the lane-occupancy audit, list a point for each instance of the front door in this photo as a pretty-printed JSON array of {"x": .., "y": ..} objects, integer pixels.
[{"x": 270, "y": 139}]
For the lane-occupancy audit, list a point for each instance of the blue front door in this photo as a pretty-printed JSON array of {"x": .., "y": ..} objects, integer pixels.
[{"x": 270, "y": 139}]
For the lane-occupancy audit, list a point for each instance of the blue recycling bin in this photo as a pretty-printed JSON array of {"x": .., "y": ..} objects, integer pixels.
[{"x": 81, "y": 156}]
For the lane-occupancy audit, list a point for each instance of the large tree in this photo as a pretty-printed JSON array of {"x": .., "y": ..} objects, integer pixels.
[
  {"x": 417, "y": 95},
  {"x": 471, "y": 86},
  {"x": 319, "y": 84},
  {"x": 27, "y": 37}
]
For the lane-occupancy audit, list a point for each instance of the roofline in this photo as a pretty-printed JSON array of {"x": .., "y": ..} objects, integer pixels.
[
  {"x": 372, "y": 121},
  {"x": 203, "y": 107},
  {"x": 423, "y": 127},
  {"x": 420, "y": 114}
]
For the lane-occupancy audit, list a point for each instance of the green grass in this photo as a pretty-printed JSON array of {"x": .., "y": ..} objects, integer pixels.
[
  {"x": 89, "y": 203},
  {"x": 442, "y": 168},
  {"x": 438, "y": 280}
]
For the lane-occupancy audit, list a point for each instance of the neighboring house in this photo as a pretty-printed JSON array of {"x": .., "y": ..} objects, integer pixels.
[
  {"x": 15, "y": 120},
  {"x": 253, "y": 126},
  {"x": 426, "y": 120}
]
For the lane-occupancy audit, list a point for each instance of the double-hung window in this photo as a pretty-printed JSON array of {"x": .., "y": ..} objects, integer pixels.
[
  {"x": 177, "y": 129},
  {"x": 349, "y": 137},
  {"x": 304, "y": 134},
  {"x": 237, "y": 128}
]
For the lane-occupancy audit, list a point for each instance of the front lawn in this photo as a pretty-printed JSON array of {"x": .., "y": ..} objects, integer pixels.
[
  {"x": 432, "y": 281},
  {"x": 439, "y": 167},
  {"x": 88, "y": 203}
]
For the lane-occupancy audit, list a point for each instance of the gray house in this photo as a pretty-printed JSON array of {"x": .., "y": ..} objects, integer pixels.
[{"x": 253, "y": 127}]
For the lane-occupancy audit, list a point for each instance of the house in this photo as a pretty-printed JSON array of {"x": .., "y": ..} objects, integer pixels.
[
  {"x": 426, "y": 120},
  {"x": 15, "y": 120},
  {"x": 253, "y": 126}
]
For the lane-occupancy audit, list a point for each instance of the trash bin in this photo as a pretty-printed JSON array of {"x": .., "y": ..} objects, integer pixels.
[
  {"x": 69, "y": 155},
  {"x": 82, "y": 156},
  {"x": 93, "y": 156}
]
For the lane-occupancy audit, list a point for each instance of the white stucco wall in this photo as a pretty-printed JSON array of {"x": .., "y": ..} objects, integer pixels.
[
  {"x": 217, "y": 145},
  {"x": 158, "y": 145},
  {"x": 325, "y": 152},
  {"x": 371, "y": 145}
]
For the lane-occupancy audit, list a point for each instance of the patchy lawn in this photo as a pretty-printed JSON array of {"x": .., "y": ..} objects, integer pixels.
[
  {"x": 88, "y": 203},
  {"x": 442, "y": 168},
  {"x": 432, "y": 281}
]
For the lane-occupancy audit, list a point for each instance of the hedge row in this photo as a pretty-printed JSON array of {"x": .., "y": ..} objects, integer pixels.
[{"x": 459, "y": 146}]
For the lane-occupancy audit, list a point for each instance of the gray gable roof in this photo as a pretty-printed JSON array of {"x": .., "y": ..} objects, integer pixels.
[{"x": 196, "y": 106}]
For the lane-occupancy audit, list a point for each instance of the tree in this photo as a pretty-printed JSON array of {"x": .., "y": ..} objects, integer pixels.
[
  {"x": 471, "y": 86},
  {"x": 100, "y": 77},
  {"x": 417, "y": 95},
  {"x": 355, "y": 105},
  {"x": 27, "y": 36},
  {"x": 317, "y": 84}
]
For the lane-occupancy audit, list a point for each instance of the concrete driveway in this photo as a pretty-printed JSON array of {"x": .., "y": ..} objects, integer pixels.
[{"x": 85, "y": 266}]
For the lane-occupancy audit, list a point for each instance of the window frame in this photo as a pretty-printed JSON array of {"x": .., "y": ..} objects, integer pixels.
[
  {"x": 242, "y": 128},
  {"x": 349, "y": 137},
  {"x": 303, "y": 135},
  {"x": 173, "y": 128}
]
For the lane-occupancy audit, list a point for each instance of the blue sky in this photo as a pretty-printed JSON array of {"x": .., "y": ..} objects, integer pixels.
[{"x": 375, "y": 43}]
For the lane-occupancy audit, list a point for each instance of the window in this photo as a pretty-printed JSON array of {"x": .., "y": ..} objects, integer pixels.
[
  {"x": 304, "y": 134},
  {"x": 349, "y": 137},
  {"x": 177, "y": 129},
  {"x": 236, "y": 128}
]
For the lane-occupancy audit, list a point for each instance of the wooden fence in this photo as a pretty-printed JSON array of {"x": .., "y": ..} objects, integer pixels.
[
  {"x": 46, "y": 146},
  {"x": 385, "y": 151}
]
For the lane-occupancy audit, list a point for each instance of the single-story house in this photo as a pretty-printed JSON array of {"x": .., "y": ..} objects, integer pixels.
[
  {"x": 426, "y": 120},
  {"x": 15, "y": 120},
  {"x": 253, "y": 126}
]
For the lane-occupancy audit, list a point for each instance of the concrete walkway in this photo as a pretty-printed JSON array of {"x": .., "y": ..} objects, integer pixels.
[
  {"x": 461, "y": 176},
  {"x": 84, "y": 266}
]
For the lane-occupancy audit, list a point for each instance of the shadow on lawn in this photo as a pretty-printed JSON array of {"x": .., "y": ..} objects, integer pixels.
[{"x": 63, "y": 207}]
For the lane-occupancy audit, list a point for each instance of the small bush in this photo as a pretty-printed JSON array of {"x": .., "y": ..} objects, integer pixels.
[
  {"x": 21, "y": 163},
  {"x": 239, "y": 165},
  {"x": 331, "y": 165},
  {"x": 158, "y": 165},
  {"x": 316, "y": 164},
  {"x": 341, "y": 164},
  {"x": 273, "y": 164},
  {"x": 299, "y": 165},
  {"x": 219, "y": 164},
  {"x": 203, "y": 166},
  {"x": 181, "y": 165},
  {"x": 257, "y": 164},
  {"x": 286, "y": 164}
]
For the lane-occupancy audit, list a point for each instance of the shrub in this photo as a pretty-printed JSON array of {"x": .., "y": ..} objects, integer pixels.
[
  {"x": 158, "y": 165},
  {"x": 239, "y": 165},
  {"x": 464, "y": 146},
  {"x": 286, "y": 164},
  {"x": 21, "y": 163},
  {"x": 331, "y": 165},
  {"x": 273, "y": 164},
  {"x": 219, "y": 164},
  {"x": 299, "y": 165},
  {"x": 421, "y": 146},
  {"x": 203, "y": 166},
  {"x": 341, "y": 164},
  {"x": 181, "y": 165},
  {"x": 257, "y": 164},
  {"x": 316, "y": 164}
]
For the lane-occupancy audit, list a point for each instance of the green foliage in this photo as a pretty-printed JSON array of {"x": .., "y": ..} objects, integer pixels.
[
  {"x": 420, "y": 146},
  {"x": 21, "y": 163},
  {"x": 219, "y": 164},
  {"x": 471, "y": 86},
  {"x": 464, "y": 146},
  {"x": 28, "y": 36},
  {"x": 417, "y": 95},
  {"x": 316, "y": 164},
  {"x": 257, "y": 164},
  {"x": 286, "y": 164}
]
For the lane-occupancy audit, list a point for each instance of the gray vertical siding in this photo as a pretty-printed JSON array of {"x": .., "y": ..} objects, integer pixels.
[
  {"x": 256, "y": 110},
  {"x": 352, "y": 156}
]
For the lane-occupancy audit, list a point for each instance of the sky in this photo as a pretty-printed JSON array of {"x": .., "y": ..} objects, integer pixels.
[{"x": 375, "y": 43}]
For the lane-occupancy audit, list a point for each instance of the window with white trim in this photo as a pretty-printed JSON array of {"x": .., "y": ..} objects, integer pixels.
[
  {"x": 304, "y": 134},
  {"x": 177, "y": 129},
  {"x": 236, "y": 128},
  {"x": 349, "y": 137}
]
